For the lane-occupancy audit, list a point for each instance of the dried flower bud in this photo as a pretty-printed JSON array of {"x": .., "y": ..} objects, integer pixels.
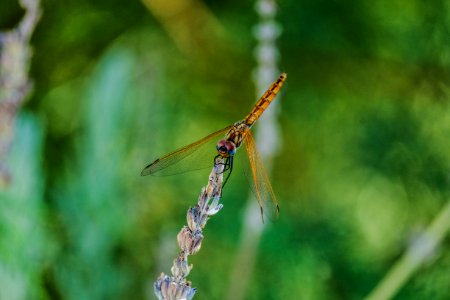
[
  {"x": 189, "y": 242},
  {"x": 196, "y": 242},
  {"x": 193, "y": 218},
  {"x": 180, "y": 268},
  {"x": 214, "y": 207},
  {"x": 184, "y": 237},
  {"x": 203, "y": 198},
  {"x": 166, "y": 288}
]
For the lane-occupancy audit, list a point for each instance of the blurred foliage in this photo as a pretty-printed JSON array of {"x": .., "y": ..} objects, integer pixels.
[
  {"x": 25, "y": 245},
  {"x": 363, "y": 169}
]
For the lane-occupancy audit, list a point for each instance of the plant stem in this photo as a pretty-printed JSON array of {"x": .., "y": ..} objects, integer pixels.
[
  {"x": 190, "y": 237},
  {"x": 420, "y": 250}
]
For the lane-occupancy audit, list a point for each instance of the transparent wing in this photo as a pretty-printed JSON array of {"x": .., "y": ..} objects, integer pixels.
[
  {"x": 260, "y": 181},
  {"x": 195, "y": 156}
]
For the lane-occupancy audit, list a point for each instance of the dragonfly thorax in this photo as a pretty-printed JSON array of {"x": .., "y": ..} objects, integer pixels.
[{"x": 237, "y": 133}]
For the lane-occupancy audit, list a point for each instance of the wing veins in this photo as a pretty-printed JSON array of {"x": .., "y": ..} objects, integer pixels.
[
  {"x": 179, "y": 154},
  {"x": 260, "y": 179}
]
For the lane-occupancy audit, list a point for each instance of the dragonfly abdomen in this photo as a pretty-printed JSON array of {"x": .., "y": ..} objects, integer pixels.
[{"x": 264, "y": 101}]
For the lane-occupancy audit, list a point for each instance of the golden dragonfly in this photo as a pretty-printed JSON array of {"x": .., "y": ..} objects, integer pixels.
[{"x": 192, "y": 157}]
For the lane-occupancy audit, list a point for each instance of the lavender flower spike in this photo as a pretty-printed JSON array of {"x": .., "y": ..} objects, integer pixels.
[{"x": 190, "y": 238}]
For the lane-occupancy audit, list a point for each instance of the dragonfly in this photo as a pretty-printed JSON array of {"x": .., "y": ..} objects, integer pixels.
[{"x": 192, "y": 156}]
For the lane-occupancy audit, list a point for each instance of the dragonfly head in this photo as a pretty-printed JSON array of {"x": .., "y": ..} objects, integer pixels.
[{"x": 226, "y": 148}]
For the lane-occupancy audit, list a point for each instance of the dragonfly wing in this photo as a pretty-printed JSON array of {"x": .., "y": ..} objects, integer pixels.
[
  {"x": 260, "y": 181},
  {"x": 195, "y": 156}
]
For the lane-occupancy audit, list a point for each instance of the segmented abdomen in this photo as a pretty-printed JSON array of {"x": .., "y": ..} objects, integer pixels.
[{"x": 265, "y": 100}]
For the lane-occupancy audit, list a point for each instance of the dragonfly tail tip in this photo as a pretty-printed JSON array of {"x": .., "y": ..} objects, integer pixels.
[{"x": 262, "y": 214}]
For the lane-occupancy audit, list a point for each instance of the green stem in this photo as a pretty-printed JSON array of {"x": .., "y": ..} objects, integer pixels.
[{"x": 414, "y": 257}]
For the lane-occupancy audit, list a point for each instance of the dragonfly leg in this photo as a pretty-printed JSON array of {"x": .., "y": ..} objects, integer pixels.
[
  {"x": 215, "y": 158},
  {"x": 226, "y": 164},
  {"x": 229, "y": 168}
]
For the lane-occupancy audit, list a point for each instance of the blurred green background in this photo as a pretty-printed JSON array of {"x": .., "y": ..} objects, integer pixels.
[{"x": 363, "y": 167}]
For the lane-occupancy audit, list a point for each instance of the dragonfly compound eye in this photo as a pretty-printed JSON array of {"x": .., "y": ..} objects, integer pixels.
[
  {"x": 222, "y": 148},
  {"x": 231, "y": 148},
  {"x": 226, "y": 148}
]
